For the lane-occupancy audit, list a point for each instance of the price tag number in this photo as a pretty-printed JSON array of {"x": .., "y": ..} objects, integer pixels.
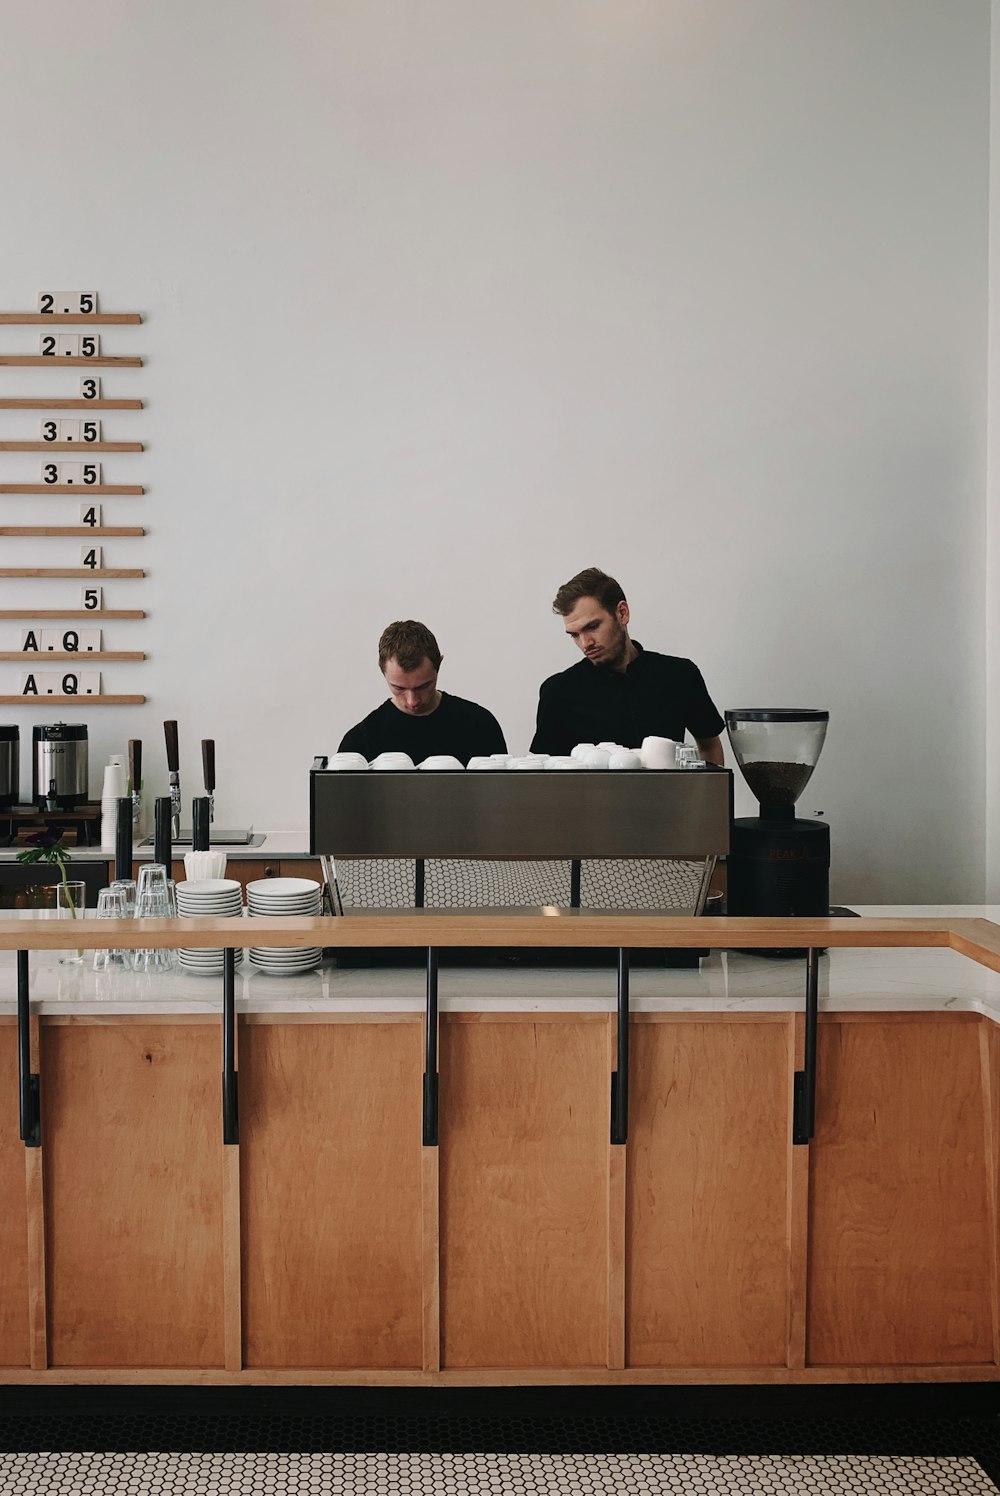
[
  {"x": 71, "y": 431},
  {"x": 71, "y": 474},
  {"x": 70, "y": 345},
  {"x": 65, "y": 641},
  {"x": 90, "y": 514},
  {"x": 91, "y": 556},
  {"x": 65, "y": 683},
  {"x": 67, "y": 303},
  {"x": 90, "y": 389},
  {"x": 92, "y": 599}
]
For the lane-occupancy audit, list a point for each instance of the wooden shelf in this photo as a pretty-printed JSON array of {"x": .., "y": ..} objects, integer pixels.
[
  {"x": 39, "y": 656},
  {"x": 81, "y": 488},
  {"x": 83, "y": 572},
  {"x": 71, "y": 446},
  {"x": 44, "y": 360},
  {"x": 48, "y": 701},
  {"x": 24, "y": 319},
  {"x": 71, "y": 402},
  {"x": 30, "y": 614},
  {"x": 82, "y": 530}
]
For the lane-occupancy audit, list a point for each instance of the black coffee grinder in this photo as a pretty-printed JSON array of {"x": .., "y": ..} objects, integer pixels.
[{"x": 778, "y": 865}]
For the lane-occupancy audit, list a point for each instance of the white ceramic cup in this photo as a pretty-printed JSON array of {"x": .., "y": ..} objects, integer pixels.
[
  {"x": 596, "y": 758},
  {"x": 659, "y": 753},
  {"x": 441, "y": 763},
  {"x": 480, "y": 762},
  {"x": 347, "y": 761},
  {"x": 392, "y": 761},
  {"x": 627, "y": 758}
]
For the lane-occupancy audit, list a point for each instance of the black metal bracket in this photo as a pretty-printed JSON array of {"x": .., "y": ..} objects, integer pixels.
[
  {"x": 804, "y": 1095},
  {"x": 430, "y": 1115},
  {"x": 574, "y": 883},
  {"x": 29, "y": 1085},
  {"x": 230, "y": 1076},
  {"x": 619, "y": 1077},
  {"x": 419, "y": 873}
]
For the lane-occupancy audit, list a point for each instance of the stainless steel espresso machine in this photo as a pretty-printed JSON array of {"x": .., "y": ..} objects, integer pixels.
[{"x": 630, "y": 840}]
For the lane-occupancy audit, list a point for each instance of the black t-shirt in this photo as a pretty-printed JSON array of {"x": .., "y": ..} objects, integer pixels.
[
  {"x": 656, "y": 696},
  {"x": 458, "y": 727}
]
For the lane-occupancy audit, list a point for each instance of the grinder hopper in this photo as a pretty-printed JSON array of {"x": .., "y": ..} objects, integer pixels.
[
  {"x": 778, "y": 865},
  {"x": 777, "y": 749}
]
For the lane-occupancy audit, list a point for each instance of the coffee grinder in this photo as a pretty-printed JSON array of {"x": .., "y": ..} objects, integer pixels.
[{"x": 778, "y": 865}]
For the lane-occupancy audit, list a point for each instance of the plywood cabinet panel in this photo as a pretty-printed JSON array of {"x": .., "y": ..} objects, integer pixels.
[
  {"x": 132, "y": 1139},
  {"x": 331, "y": 1191},
  {"x": 900, "y": 1230},
  {"x": 13, "y": 1214},
  {"x": 524, "y": 1191},
  {"x": 707, "y": 1193}
]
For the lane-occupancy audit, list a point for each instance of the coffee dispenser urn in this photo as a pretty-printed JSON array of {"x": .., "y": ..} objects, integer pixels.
[
  {"x": 778, "y": 865},
  {"x": 10, "y": 767},
  {"x": 59, "y": 776}
]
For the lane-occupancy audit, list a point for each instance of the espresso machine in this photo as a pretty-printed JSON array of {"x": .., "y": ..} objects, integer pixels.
[{"x": 778, "y": 864}]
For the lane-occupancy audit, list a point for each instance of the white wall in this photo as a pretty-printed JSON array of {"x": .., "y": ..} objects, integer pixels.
[
  {"x": 446, "y": 300},
  {"x": 993, "y": 488}
]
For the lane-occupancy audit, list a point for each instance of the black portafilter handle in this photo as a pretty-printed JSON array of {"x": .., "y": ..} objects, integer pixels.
[
  {"x": 199, "y": 824},
  {"x": 123, "y": 837},
  {"x": 162, "y": 848}
]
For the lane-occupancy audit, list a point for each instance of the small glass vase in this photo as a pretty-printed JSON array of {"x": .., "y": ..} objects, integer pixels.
[{"x": 71, "y": 900}]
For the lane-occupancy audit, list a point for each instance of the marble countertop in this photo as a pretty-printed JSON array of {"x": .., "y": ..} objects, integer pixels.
[
  {"x": 275, "y": 844},
  {"x": 873, "y": 979}
]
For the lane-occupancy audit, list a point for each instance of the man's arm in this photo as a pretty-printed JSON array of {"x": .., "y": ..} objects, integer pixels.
[
  {"x": 354, "y": 741},
  {"x": 550, "y": 731},
  {"x": 711, "y": 751},
  {"x": 493, "y": 738}
]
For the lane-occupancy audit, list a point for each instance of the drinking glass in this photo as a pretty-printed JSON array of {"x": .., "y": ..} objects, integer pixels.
[
  {"x": 71, "y": 901},
  {"x": 111, "y": 905},
  {"x": 126, "y": 887},
  {"x": 153, "y": 878},
  {"x": 153, "y": 901}
]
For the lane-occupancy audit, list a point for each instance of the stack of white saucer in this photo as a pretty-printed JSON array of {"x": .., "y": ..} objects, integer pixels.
[
  {"x": 282, "y": 896},
  {"x": 220, "y": 898}
]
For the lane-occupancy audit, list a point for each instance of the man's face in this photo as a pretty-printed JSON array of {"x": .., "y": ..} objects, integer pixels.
[
  {"x": 602, "y": 636},
  {"x": 413, "y": 691}
]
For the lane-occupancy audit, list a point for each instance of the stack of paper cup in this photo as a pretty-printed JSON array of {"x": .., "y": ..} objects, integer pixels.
[{"x": 112, "y": 791}]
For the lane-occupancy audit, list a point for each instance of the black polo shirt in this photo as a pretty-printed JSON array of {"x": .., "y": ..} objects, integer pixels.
[
  {"x": 461, "y": 728},
  {"x": 657, "y": 696}
]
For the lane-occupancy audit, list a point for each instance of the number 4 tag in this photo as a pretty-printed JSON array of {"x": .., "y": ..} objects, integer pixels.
[{"x": 91, "y": 556}]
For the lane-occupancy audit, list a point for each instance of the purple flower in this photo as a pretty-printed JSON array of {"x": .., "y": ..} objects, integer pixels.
[{"x": 49, "y": 837}]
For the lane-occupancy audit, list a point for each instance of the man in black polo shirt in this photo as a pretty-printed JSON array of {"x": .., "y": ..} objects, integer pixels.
[
  {"x": 418, "y": 719},
  {"x": 619, "y": 692}
]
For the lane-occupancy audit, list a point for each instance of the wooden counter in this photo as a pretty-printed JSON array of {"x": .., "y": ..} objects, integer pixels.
[{"x": 330, "y": 1245}]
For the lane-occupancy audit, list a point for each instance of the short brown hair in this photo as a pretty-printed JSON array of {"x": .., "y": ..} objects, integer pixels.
[
  {"x": 409, "y": 643},
  {"x": 593, "y": 582}
]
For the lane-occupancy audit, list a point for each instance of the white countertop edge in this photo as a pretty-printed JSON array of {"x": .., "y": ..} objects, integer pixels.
[{"x": 879, "y": 979}]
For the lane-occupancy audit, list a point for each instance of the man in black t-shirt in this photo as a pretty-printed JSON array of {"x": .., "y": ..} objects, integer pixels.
[
  {"x": 619, "y": 692},
  {"x": 418, "y": 719}
]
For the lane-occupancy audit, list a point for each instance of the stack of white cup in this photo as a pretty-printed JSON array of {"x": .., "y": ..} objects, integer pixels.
[{"x": 112, "y": 791}]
